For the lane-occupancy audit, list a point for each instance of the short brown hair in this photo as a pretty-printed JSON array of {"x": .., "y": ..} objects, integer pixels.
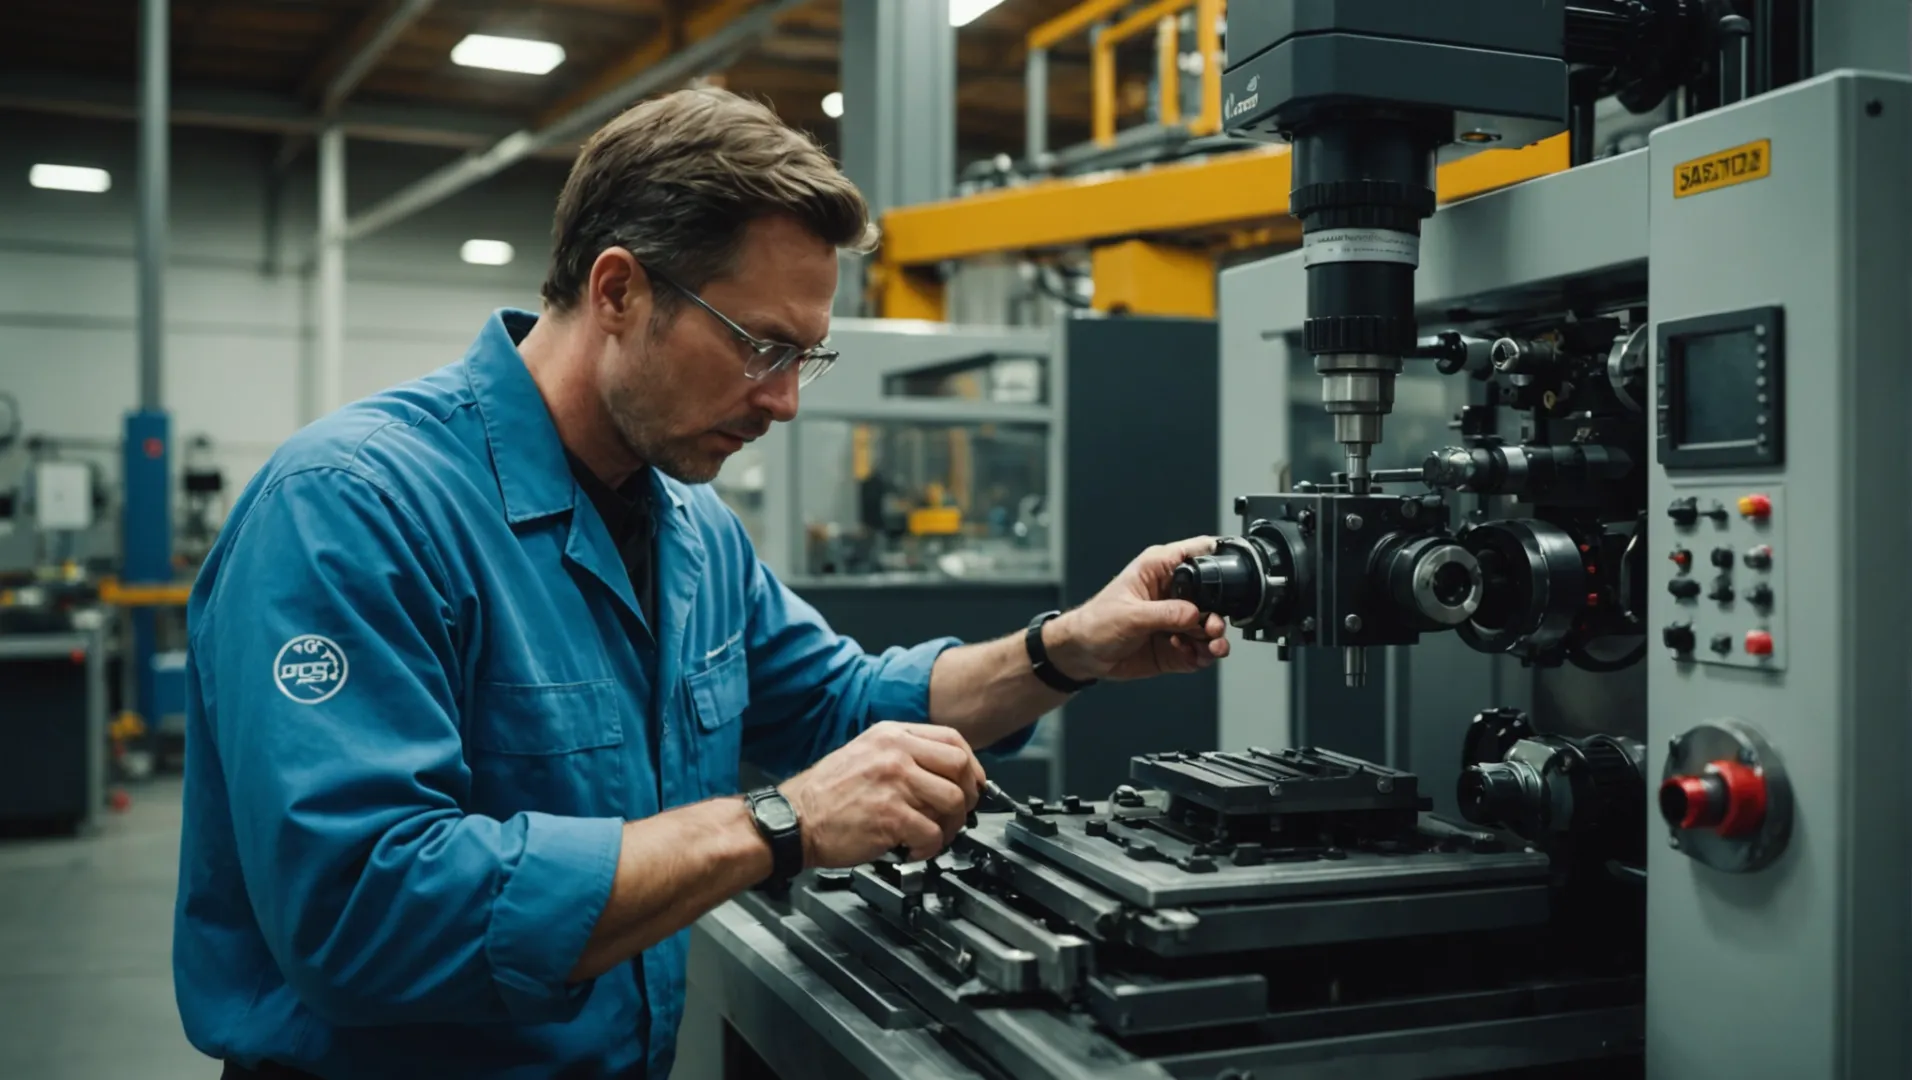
[{"x": 675, "y": 180}]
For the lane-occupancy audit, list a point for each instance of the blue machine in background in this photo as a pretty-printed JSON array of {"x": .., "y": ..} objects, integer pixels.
[{"x": 146, "y": 544}]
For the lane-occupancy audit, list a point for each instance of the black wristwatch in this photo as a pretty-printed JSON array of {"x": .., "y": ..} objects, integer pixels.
[
  {"x": 777, "y": 820},
  {"x": 1039, "y": 658}
]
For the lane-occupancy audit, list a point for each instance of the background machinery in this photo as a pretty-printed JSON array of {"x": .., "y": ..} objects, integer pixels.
[{"x": 1665, "y": 732}]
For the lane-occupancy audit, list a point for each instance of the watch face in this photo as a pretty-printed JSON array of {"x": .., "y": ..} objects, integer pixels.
[{"x": 776, "y": 815}]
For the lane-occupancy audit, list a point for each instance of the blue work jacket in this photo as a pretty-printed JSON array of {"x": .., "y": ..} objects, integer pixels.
[{"x": 422, "y": 701}]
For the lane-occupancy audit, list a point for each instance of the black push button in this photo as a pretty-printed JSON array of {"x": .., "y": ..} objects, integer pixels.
[{"x": 1678, "y": 637}]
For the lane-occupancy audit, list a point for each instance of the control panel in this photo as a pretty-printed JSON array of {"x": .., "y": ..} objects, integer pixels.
[
  {"x": 1725, "y": 574},
  {"x": 1721, "y": 398}
]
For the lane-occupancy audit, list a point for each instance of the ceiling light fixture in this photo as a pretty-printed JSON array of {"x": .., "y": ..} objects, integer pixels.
[
  {"x": 833, "y": 104},
  {"x": 964, "y": 12},
  {"x": 521, "y": 55},
  {"x": 487, "y": 252},
  {"x": 70, "y": 178}
]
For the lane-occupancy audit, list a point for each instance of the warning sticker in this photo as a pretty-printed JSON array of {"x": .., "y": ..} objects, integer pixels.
[{"x": 1750, "y": 161}]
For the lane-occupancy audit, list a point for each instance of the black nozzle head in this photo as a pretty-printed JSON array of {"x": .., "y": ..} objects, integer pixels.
[
  {"x": 1185, "y": 583},
  {"x": 1489, "y": 793},
  {"x": 1227, "y": 583}
]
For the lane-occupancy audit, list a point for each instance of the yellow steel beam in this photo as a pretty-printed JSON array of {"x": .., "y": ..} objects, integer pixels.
[
  {"x": 1102, "y": 88},
  {"x": 1251, "y": 186},
  {"x": 112, "y": 592},
  {"x": 1073, "y": 22},
  {"x": 1058, "y": 213},
  {"x": 1136, "y": 277},
  {"x": 903, "y": 292},
  {"x": 1140, "y": 21}
]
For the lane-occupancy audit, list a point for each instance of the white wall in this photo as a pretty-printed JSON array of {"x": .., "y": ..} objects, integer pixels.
[{"x": 238, "y": 290}]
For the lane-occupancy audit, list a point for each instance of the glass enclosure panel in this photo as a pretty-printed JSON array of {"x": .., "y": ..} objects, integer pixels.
[
  {"x": 935, "y": 499},
  {"x": 998, "y": 377}
]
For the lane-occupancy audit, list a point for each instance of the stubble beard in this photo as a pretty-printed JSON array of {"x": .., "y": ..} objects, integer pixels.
[{"x": 633, "y": 394}]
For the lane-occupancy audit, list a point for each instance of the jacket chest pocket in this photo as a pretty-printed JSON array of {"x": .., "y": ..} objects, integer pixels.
[
  {"x": 553, "y": 747},
  {"x": 719, "y": 694}
]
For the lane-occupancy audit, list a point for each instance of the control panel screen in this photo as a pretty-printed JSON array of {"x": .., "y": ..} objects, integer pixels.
[{"x": 1720, "y": 390}]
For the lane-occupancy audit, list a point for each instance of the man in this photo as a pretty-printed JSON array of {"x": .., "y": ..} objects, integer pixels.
[{"x": 474, "y": 661}]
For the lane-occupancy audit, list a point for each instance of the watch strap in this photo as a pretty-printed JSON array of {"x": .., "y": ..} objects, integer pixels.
[
  {"x": 786, "y": 841},
  {"x": 1039, "y": 659}
]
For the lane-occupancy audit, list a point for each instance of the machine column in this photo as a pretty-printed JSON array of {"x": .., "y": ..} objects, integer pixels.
[
  {"x": 146, "y": 523},
  {"x": 898, "y": 133}
]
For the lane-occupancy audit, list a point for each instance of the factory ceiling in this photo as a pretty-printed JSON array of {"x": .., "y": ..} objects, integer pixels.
[{"x": 386, "y": 66}]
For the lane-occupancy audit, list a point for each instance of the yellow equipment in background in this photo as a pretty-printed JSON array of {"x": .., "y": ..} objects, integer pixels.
[{"x": 1154, "y": 232}]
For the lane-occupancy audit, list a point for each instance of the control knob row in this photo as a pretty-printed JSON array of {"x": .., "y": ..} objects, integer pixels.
[
  {"x": 1760, "y": 595},
  {"x": 1686, "y": 510},
  {"x": 1681, "y": 639},
  {"x": 1757, "y": 557}
]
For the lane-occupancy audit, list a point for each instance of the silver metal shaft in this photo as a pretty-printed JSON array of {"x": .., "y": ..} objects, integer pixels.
[
  {"x": 1357, "y": 389},
  {"x": 1354, "y": 664},
  {"x": 1358, "y": 477}
]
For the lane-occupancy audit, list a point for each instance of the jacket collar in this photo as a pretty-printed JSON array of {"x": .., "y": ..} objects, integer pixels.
[{"x": 533, "y": 477}]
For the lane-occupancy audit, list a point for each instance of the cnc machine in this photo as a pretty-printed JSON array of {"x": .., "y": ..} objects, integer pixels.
[{"x": 1678, "y": 478}]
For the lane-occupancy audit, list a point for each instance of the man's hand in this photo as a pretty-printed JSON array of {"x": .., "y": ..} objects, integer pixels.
[
  {"x": 1131, "y": 630},
  {"x": 894, "y": 785}
]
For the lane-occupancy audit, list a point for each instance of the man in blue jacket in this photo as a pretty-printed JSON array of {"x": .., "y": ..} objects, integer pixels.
[{"x": 475, "y": 660}]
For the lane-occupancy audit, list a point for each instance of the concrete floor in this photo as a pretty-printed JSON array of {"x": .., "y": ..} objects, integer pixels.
[{"x": 86, "y": 930}]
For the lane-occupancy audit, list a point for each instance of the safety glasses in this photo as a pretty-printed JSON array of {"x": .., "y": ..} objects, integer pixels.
[{"x": 765, "y": 358}]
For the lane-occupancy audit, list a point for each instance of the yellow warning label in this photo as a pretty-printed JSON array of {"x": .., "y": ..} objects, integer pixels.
[{"x": 1750, "y": 161}]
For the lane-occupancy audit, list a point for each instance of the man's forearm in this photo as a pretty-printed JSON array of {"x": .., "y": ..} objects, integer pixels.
[
  {"x": 671, "y": 869},
  {"x": 989, "y": 691}
]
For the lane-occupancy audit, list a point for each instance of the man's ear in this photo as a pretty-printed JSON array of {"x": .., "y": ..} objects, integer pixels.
[{"x": 618, "y": 291}]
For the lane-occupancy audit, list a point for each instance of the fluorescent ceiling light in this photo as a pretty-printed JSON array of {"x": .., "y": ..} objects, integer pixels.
[
  {"x": 487, "y": 252},
  {"x": 964, "y": 12},
  {"x": 70, "y": 178},
  {"x": 833, "y": 104},
  {"x": 522, "y": 55}
]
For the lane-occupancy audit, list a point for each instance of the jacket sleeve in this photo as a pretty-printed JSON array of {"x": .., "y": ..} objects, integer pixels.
[
  {"x": 330, "y": 655},
  {"x": 812, "y": 690}
]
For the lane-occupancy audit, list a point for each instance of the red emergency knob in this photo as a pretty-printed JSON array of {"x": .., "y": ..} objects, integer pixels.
[
  {"x": 1726, "y": 797},
  {"x": 1757, "y": 507},
  {"x": 1759, "y": 643}
]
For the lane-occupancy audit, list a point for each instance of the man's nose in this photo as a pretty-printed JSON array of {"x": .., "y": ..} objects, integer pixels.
[{"x": 777, "y": 394}]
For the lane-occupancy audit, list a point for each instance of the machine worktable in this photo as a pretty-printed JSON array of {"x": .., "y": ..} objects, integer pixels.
[{"x": 748, "y": 984}]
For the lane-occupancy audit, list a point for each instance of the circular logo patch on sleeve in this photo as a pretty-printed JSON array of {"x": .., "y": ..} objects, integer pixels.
[{"x": 309, "y": 669}]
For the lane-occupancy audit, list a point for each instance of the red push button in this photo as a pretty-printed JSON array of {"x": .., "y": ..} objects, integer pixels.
[
  {"x": 1759, "y": 643},
  {"x": 1757, "y": 507},
  {"x": 1682, "y": 558}
]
